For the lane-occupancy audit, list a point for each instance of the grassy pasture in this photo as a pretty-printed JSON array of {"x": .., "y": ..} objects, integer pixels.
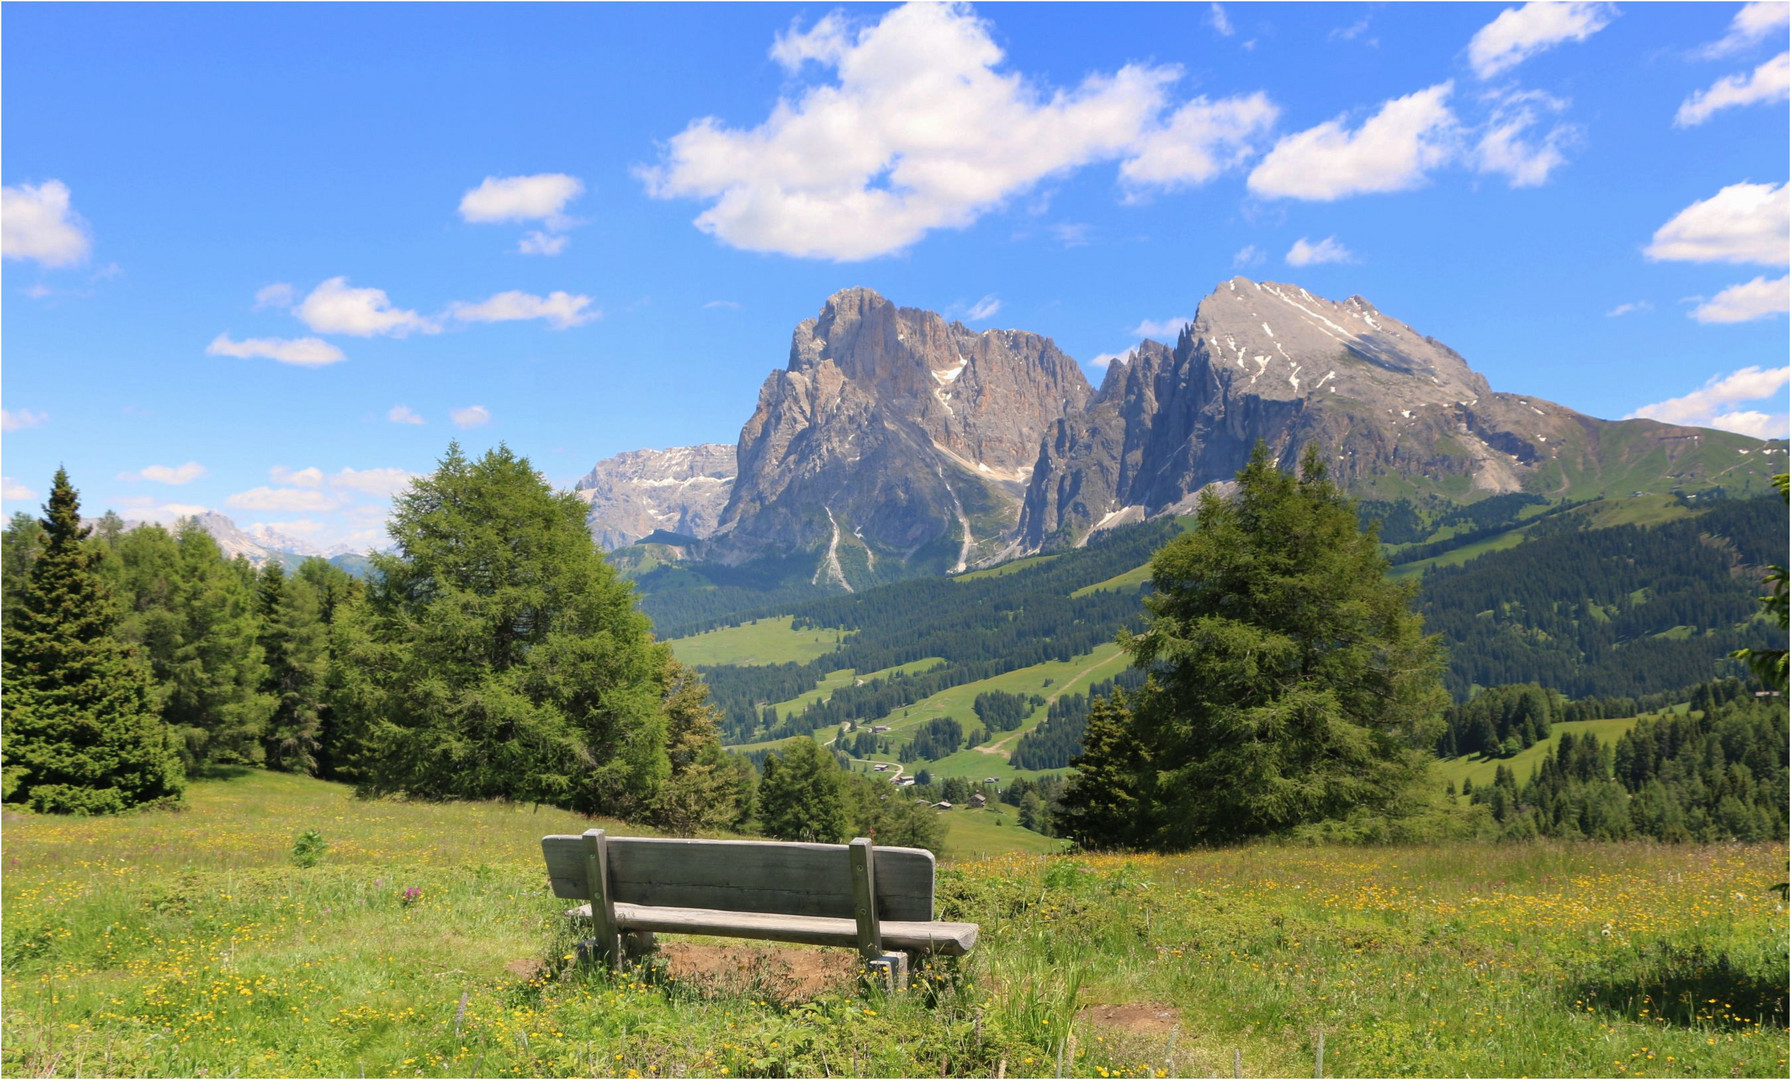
[
  {"x": 1481, "y": 770},
  {"x": 762, "y": 641},
  {"x": 186, "y": 943}
]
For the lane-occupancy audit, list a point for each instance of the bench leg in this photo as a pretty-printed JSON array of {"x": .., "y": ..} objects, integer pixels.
[
  {"x": 639, "y": 944},
  {"x": 890, "y": 970},
  {"x": 596, "y": 951}
]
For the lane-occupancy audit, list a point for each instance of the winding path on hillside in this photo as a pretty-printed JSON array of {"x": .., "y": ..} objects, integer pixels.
[{"x": 1002, "y": 750}]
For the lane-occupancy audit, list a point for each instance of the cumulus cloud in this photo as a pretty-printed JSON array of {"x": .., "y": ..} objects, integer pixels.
[
  {"x": 284, "y": 500},
  {"x": 1201, "y": 140},
  {"x": 382, "y": 483},
  {"x": 1393, "y": 150},
  {"x": 1506, "y": 147},
  {"x": 560, "y": 309},
  {"x": 403, "y": 414},
  {"x": 24, "y": 418},
  {"x": 1756, "y": 299},
  {"x": 305, "y": 352},
  {"x": 1742, "y": 223},
  {"x": 1769, "y": 82},
  {"x": 1627, "y": 308},
  {"x": 12, "y": 489},
  {"x": 1520, "y": 33},
  {"x": 1328, "y": 250},
  {"x": 917, "y": 131},
  {"x": 983, "y": 309},
  {"x": 279, "y": 295},
  {"x": 307, "y": 478},
  {"x": 1163, "y": 329},
  {"x": 165, "y": 474},
  {"x": 471, "y": 417},
  {"x": 1753, "y": 24},
  {"x": 335, "y": 308},
  {"x": 38, "y": 223},
  {"x": 1108, "y": 359},
  {"x": 542, "y": 197},
  {"x": 1713, "y": 404}
]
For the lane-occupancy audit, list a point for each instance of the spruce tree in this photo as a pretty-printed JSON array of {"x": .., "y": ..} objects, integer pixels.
[
  {"x": 81, "y": 734},
  {"x": 1289, "y": 680},
  {"x": 801, "y": 795},
  {"x": 702, "y": 790},
  {"x": 292, "y": 645}
]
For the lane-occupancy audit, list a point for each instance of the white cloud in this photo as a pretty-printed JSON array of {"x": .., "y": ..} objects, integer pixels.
[
  {"x": 1108, "y": 359},
  {"x": 307, "y": 478},
  {"x": 1520, "y": 33},
  {"x": 1165, "y": 329},
  {"x": 382, "y": 483},
  {"x": 1328, "y": 250},
  {"x": 983, "y": 309},
  {"x": 1769, "y": 82},
  {"x": 560, "y": 309},
  {"x": 1753, "y": 24},
  {"x": 1712, "y": 404},
  {"x": 1756, "y": 299},
  {"x": 334, "y": 308},
  {"x": 403, "y": 414},
  {"x": 283, "y": 500},
  {"x": 39, "y": 291},
  {"x": 1071, "y": 234},
  {"x": 1248, "y": 255},
  {"x": 1751, "y": 422},
  {"x": 37, "y": 223},
  {"x": 1503, "y": 147},
  {"x": 542, "y": 197},
  {"x": 1742, "y": 223},
  {"x": 471, "y": 417},
  {"x": 164, "y": 474},
  {"x": 12, "y": 489},
  {"x": 542, "y": 243},
  {"x": 24, "y": 418},
  {"x": 305, "y": 352},
  {"x": 1393, "y": 150},
  {"x": 731, "y": 305},
  {"x": 1201, "y": 140},
  {"x": 1627, "y": 308},
  {"x": 1220, "y": 21},
  {"x": 279, "y": 295},
  {"x": 919, "y": 131}
]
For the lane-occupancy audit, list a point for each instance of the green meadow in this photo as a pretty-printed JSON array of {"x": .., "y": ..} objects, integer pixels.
[
  {"x": 762, "y": 641},
  {"x": 425, "y": 943}
]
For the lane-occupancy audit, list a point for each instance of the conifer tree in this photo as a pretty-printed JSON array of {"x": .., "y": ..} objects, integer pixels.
[
  {"x": 81, "y": 733},
  {"x": 1289, "y": 683},
  {"x": 801, "y": 797},
  {"x": 702, "y": 790},
  {"x": 292, "y": 645},
  {"x": 497, "y": 655},
  {"x": 1107, "y": 806}
]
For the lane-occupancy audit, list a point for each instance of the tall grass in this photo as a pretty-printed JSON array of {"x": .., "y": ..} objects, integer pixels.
[{"x": 424, "y": 944}]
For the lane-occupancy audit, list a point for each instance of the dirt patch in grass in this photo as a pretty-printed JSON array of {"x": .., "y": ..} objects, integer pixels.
[
  {"x": 527, "y": 969},
  {"x": 782, "y": 974},
  {"x": 1138, "y": 1018}
]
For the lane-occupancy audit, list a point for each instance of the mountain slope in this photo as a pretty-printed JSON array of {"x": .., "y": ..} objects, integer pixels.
[
  {"x": 681, "y": 490},
  {"x": 1397, "y": 413}
]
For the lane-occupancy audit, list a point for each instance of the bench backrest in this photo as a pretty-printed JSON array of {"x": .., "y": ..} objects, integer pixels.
[{"x": 771, "y": 877}]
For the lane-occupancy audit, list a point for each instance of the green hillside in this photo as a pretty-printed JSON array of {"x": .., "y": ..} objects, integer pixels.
[
  {"x": 1481, "y": 769},
  {"x": 761, "y": 641}
]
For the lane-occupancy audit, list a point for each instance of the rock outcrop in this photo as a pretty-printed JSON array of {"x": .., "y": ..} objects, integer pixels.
[{"x": 681, "y": 490}]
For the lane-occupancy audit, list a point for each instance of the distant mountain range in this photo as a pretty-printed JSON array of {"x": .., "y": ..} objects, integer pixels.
[
  {"x": 895, "y": 443},
  {"x": 261, "y": 544}
]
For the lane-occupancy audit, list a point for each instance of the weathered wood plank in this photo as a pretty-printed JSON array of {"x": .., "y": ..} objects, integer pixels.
[
  {"x": 745, "y": 875},
  {"x": 864, "y": 888},
  {"x": 603, "y": 911},
  {"x": 953, "y": 939}
]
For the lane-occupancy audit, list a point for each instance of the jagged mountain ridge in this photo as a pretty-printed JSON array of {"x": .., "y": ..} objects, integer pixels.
[
  {"x": 893, "y": 434},
  {"x": 896, "y": 443},
  {"x": 1394, "y": 410},
  {"x": 682, "y": 490}
]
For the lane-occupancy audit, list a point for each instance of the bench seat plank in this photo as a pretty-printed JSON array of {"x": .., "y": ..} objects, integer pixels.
[{"x": 952, "y": 939}]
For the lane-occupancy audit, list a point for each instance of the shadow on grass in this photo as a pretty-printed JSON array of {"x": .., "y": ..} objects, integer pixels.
[
  {"x": 1693, "y": 986},
  {"x": 221, "y": 772}
]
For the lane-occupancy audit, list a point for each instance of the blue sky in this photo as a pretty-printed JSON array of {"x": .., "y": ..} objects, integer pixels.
[{"x": 269, "y": 259}]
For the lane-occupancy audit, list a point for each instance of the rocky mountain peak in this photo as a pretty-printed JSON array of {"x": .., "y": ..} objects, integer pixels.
[{"x": 634, "y": 494}]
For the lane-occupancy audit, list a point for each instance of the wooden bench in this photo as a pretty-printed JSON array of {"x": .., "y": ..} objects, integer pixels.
[{"x": 877, "y": 900}]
